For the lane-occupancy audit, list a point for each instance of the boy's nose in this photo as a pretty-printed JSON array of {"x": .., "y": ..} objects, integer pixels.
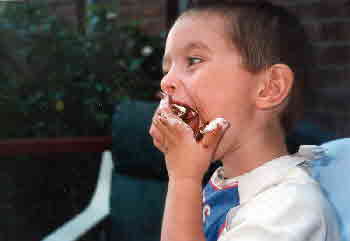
[{"x": 168, "y": 84}]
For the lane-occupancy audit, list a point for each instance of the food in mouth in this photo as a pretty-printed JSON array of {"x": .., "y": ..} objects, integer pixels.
[
  {"x": 179, "y": 110},
  {"x": 190, "y": 117},
  {"x": 187, "y": 114}
]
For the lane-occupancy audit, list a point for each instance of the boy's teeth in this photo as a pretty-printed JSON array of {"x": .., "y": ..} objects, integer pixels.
[
  {"x": 180, "y": 110},
  {"x": 187, "y": 114}
]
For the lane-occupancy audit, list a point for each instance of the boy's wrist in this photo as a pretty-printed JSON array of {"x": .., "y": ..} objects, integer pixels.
[{"x": 185, "y": 181}]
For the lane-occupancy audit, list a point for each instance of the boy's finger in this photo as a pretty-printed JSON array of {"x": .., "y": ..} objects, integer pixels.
[
  {"x": 158, "y": 144},
  {"x": 160, "y": 141},
  {"x": 214, "y": 132},
  {"x": 175, "y": 125},
  {"x": 164, "y": 104}
]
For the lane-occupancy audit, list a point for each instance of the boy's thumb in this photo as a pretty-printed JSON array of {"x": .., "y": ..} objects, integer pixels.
[{"x": 213, "y": 132}]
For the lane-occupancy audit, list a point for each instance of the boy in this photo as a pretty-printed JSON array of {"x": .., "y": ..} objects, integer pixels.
[{"x": 240, "y": 66}]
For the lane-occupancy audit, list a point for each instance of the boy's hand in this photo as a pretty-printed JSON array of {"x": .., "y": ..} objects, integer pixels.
[{"x": 185, "y": 157}]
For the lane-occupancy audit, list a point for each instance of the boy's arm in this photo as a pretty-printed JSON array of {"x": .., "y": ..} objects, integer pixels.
[
  {"x": 187, "y": 161},
  {"x": 182, "y": 219}
]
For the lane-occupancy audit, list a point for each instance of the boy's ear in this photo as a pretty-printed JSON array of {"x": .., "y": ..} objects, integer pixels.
[{"x": 274, "y": 86}]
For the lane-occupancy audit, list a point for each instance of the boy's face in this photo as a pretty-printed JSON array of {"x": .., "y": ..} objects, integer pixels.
[{"x": 204, "y": 71}]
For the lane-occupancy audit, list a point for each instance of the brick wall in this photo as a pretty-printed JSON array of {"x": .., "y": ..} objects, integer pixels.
[
  {"x": 151, "y": 13},
  {"x": 65, "y": 9},
  {"x": 328, "y": 24}
]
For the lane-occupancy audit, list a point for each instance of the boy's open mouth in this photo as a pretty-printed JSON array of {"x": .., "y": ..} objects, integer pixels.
[
  {"x": 183, "y": 111},
  {"x": 190, "y": 117}
]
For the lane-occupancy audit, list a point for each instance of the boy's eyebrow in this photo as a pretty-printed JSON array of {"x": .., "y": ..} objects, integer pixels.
[
  {"x": 190, "y": 46},
  {"x": 196, "y": 45}
]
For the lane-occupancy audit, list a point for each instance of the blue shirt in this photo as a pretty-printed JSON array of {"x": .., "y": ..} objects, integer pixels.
[{"x": 217, "y": 202}]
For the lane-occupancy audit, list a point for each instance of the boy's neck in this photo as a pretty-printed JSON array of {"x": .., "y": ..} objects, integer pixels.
[{"x": 254, "y": 152}]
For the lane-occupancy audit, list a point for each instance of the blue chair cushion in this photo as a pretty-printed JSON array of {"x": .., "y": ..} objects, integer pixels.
[
  {"x": 137, "y": 206},
  {"x": 306, "y": 132},
  {"x": 333, "y": 174},
  {"x": 133, "y": 150}
]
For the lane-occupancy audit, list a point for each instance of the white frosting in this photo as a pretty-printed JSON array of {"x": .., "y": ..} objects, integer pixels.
[
  {"x": 182, "y": 109},
  {"x": 214, "y": 124},
  {"x": 164, "y": 102}
]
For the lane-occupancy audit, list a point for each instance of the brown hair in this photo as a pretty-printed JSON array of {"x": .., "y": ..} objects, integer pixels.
[{"x": 265, "y": 35}]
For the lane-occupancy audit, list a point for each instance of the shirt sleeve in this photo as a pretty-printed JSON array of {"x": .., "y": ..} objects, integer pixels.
[{"x": 288, "y": 212}]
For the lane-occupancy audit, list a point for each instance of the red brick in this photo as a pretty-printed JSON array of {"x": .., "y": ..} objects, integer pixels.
[
  {"x": 333, "y": 31},
  {"x": 151, "y": 14},
  {"x": 334, "y": 10},
  {"x": 67, "y": 13},
  {"x": 337, "y": 31},
  {"x": 314, "y": 31},
  {"x": 308, "y": 11},
  {"x": 332, "y": 56}
]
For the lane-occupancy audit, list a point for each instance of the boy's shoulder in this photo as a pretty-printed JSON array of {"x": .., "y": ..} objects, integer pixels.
[
  {"x": 295, "y": 203},
  {"x": 292, "y": 187},
  {"x": 282, "y": 195},
  {"x": 297, "y": 187},
  {"x": 283, "y": 179}
]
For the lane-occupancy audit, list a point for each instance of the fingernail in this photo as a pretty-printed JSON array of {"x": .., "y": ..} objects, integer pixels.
[
  {"x": 163, "y": 115},
  {"x": 160, "y": 118}
]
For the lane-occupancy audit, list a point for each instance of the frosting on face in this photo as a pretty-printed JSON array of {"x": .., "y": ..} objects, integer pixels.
[{"x": 214, "y": 124}]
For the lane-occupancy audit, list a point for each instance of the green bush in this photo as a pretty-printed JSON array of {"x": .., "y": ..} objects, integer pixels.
[{"x": 59, "y": 81}]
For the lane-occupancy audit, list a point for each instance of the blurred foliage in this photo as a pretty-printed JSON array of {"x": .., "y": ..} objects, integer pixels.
[{"x": 59, "y": 81}]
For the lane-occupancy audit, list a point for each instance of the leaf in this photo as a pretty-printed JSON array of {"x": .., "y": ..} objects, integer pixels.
[
  {"x": 99, "y": 87},
  {"x": 136, "y": 64}
]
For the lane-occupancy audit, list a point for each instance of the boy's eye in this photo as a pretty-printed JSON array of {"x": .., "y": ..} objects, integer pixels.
[{"x": 193, "y": 60}]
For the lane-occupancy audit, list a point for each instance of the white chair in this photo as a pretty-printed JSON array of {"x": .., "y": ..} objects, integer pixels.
[
  {"x": 333, "y": 173},
  {"x": 95, "y": 212}
]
